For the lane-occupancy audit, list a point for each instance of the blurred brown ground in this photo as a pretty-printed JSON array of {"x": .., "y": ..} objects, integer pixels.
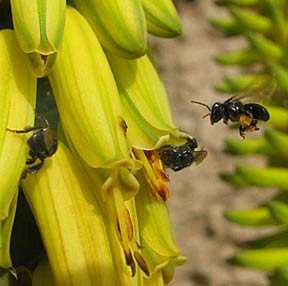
[{"x": 198, "y": 196}]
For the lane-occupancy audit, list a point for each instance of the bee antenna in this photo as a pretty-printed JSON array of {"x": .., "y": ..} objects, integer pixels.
[
  {"x": 206, "y": 115},
  {"x": 201, "y": 103}
]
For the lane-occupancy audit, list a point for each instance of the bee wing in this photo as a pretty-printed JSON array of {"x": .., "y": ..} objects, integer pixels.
[
  {"x": 199, "y": 155},
  {"x": 257, "y": 90}
]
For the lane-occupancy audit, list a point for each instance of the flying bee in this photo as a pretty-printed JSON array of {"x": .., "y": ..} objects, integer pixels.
[
  {"x": 43, "y": 143},
  {"x": 182, "y": 156},
  {"x": 234, "y": 110}
]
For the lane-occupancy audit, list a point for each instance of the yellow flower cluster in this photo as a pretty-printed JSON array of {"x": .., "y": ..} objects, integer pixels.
[{"x": 99, "y": 199}]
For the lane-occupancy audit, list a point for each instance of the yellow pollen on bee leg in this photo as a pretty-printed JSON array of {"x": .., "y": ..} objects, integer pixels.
[{"x": 245, "y": 121}]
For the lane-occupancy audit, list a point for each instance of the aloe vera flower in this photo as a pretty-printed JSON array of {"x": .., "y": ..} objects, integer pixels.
[
  {"x": 90, "y": 197},
  {"x": 39, "y": 29}
]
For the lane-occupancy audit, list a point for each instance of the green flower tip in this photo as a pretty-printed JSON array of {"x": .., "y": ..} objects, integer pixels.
[
  {"x": 162, "y": 18},
  {"x": 39, "y": 25}
]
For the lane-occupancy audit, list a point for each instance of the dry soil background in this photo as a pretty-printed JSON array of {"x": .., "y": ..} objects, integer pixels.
[{"x": 198, "y": 196}]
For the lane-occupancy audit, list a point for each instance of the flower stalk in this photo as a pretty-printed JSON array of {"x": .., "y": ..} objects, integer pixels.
[{"x": 263, "y": 26}]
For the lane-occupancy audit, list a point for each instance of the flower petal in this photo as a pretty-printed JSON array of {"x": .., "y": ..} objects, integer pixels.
[
  {"x": 39, "y": 24},
  {"x": 119, "y": 24},
  {"x": 71, "y": 222},
  {"x": 20, "y": 86},
  {"x": 87, "y": 96}
]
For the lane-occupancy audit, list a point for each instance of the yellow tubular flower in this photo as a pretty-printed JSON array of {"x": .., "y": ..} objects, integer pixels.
[
  {"x": 101, "y": 223},
  {"x": 18, "y": 93},
  {"x": 162, "y": 18},
  {"x": 71, "y": 222},
  {"x": 18, "y": 87},
  {"x": 156, "y": 234},
  {"x": 119, "y": 24},
  {"x": 147, "y": 113},
  {"x": 39, "y": 26},
  {"x": 117, "y": 192},
  {"x": 145, "y": 104},
  {"x": 87, "y": 97}
]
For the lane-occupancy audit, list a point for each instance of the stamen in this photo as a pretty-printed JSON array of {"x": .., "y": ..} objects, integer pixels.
[
  {"x": 156, "y": 178},
  {"x": 142, "y": 263}
]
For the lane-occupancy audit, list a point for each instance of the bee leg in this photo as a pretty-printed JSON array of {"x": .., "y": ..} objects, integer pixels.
[
  {"x": 254, "y": 124},
  {"x": 225, "y": 118},
  {"x": 242, "y": 132},
  {"x": 33, "y": 158},
  {"x": 25, "y": 130},
  {"x": 32, "y": 170}
]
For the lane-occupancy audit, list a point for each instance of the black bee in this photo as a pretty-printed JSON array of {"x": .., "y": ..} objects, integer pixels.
[
  {"x": 246, "y": 114},
  {"x": 182, "y": 156},
  {"x": 234, "y": 110},
  {"x": 43, "y": 143}
]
